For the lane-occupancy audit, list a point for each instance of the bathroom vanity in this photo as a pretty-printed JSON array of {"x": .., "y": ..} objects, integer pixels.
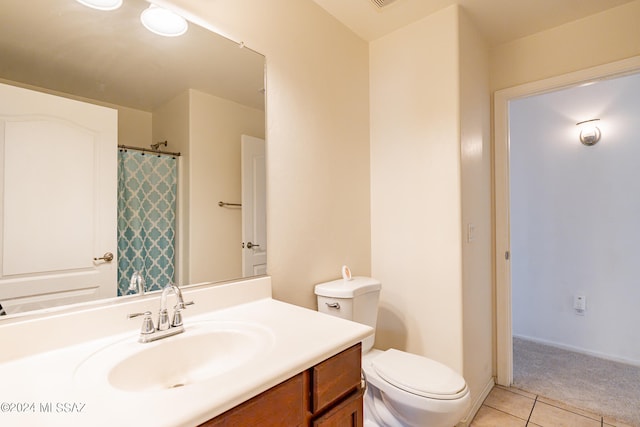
[
  {"x": 244, "y": 359},
  {"x": 328, "y": 394}
]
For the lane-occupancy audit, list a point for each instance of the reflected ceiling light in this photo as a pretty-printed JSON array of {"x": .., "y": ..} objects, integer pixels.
[
  {"x": 589, "y": 132},
  {"x": 101, "y": 4},
  {"x": 163, "y": 22}
]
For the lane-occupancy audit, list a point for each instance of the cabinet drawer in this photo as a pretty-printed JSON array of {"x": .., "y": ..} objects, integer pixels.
[
  {"x": 335, "y": 378},
  {"x": 282, "y": 405}
]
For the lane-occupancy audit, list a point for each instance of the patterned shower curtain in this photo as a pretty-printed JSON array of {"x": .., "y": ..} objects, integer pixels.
[{"x": 147, "y": 186}]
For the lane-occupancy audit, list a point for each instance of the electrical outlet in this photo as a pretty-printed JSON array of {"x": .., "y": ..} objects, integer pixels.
[{"x": 579, "y": 304}]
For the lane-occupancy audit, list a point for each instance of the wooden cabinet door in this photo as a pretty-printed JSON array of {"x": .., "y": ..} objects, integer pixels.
[{"x": 348, "y": 413}]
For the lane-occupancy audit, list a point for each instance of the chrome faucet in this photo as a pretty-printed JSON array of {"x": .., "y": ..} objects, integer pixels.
[
  {"x": 163, "y": 315},
  {"x": 149, "y": 332},
  {"x": 137, "y": 283}
]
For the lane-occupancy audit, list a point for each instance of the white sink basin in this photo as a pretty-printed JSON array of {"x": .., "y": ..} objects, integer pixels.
[{"x": 205, "y": 350}]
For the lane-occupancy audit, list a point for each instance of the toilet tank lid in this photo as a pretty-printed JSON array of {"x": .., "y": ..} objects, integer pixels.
[{"x": 341, "y": 288}]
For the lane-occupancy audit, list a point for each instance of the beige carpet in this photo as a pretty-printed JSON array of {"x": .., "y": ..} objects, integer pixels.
[{"x": 599, "y": 385}]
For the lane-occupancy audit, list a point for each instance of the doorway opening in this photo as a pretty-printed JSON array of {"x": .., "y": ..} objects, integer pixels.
[{"x": 506, "y": 265}]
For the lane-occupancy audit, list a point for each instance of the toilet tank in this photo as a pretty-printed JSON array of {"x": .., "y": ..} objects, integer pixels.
[{"x": 355, "y": 299}]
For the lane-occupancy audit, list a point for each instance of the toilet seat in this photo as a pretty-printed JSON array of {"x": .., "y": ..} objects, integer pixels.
[{"x": 419, "y": 375}]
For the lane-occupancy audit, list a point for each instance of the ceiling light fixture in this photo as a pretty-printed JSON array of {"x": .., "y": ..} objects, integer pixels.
[
  {"x": 163, "y": 22},
  {"x": 589, "y": 133},
  {"x": 101, "y": 4}
]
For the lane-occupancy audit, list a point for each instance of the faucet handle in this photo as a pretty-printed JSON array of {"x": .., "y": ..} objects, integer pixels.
[
  {"x": 177, "y": 317},
  {"x": 177, "y": 313},
  {"x": 182, "y": 305},
  {"x": 147, "y": 322}
]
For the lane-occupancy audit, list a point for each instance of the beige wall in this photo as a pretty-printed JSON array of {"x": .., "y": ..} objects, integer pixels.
[
  {"x": 597, "y": 39},
  {"x": 216, "y": 125},
  {"x": 206, "y": 130},
  {"x": 134, "y": 127},
  {"x": 317, "y": 138},
  {"x": 430, "y": 178},
  {"x": 477, "y": 259},
  {"x": 415, "y": 188},
  {"x": 171, "y": 124}
]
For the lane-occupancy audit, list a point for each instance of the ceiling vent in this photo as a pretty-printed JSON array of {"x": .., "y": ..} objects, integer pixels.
[{"x": 382, "y": 3}]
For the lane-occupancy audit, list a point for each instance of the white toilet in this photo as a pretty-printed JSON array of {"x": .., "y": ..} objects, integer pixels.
[{"x": 403, "y": 389}]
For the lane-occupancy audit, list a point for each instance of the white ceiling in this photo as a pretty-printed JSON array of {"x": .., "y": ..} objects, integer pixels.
[{"x": 499, "y": 20}]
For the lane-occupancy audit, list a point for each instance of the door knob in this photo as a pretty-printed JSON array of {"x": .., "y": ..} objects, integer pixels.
[
  {"x": 251, "y": 245},
  {"x": 108, "y": 257}
]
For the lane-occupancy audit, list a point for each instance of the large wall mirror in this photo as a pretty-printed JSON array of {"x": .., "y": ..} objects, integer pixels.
[{"x": 95, "y": 108}]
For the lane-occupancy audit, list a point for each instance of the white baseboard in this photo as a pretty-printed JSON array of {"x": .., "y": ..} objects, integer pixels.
[
  {"x": 580, "y": 350},
  {"x": 476, "y": 404}
]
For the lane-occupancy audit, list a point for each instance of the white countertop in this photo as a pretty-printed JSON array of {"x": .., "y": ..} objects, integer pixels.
[{"x": 40, "y": 389}]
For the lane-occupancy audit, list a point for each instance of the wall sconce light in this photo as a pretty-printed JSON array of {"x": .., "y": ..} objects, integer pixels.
[
  {"x": 163, "y": 22},
  {"x": 101, "y": 4},
  {"x": 589, "y": 132}
]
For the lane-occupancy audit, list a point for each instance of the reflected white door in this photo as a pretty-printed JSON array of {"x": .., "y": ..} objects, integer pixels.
[
  {"x": 254, "y": 207},
  {"x": 58, "y": 206}
]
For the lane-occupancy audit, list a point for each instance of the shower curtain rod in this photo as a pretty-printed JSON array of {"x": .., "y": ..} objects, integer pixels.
[{"x": 146, "y": 150}]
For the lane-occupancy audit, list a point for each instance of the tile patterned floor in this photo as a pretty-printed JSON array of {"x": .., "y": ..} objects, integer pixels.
[{"x": 510, "y": 407}]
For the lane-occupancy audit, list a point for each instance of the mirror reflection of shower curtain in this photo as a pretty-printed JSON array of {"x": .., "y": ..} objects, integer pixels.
[{"x": 147, "y": 186}]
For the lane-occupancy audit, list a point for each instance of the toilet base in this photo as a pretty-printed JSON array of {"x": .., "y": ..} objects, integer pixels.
[
  {"x": 402, "y": 410},
  {"x": 376, "y": 413}
]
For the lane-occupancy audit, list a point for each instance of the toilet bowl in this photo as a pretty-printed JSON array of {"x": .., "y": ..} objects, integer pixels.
[{"x": 403, "y": 389}]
